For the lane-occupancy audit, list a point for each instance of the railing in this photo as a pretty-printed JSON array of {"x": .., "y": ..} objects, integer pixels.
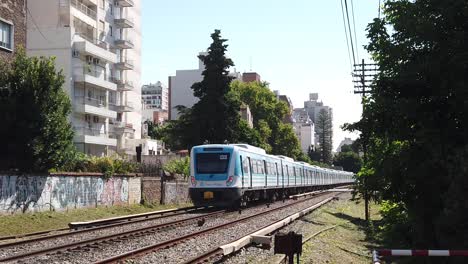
[
  {"x": 124, "y": 16},
  {"x": 95, "y": 132},
  {"x": 120, "y": 81},
  {"x": 127, "y": 61},
  {"x": 95, "y": 41},
  {"x": 92, "y": 71},
  {"x": 91, "y": 101},
  {"x": 129, "y": 40},
  {"x": 83, "y": 8}
]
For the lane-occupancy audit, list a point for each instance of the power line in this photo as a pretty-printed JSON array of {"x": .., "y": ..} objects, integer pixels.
[
  {"x": 346, "y": 35},
  {"x": 354, "y": 26},
  {"x": 350, "y": 34},
  {"x": 379, "y": 9}
]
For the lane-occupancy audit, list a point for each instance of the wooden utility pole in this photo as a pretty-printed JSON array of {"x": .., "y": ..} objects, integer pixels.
[{"x": 365, "y": 74}]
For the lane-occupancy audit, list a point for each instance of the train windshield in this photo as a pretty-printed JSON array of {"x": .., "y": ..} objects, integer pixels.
[{"x": 212, "y": 162}]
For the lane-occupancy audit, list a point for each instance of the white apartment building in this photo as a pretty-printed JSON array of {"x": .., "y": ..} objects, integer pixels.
[
  {"x": 155, "y": 98},
  {"x": 97, "y": 45},
  {"x": 304, "y": 129}
]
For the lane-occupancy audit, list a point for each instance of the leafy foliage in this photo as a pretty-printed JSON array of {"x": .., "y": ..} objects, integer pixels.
[
  {"x": 178, "y": 166},
  {"x": 35, "y": 133},
  {"x": 270, "y": 133},
  {"x": 349, "y": 160},
  {"x": 415, "y": 122}
]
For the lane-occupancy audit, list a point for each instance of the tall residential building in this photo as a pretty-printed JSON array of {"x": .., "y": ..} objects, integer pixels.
[
  {"x": 97, "y": 45},
  {"x": 12, "y": 27},
  {"x": 313, "y": 108},
  {"x": 155, "y": 99},
  {"x": 180, "y": 87},
  {"x": 304, "y": 129}
]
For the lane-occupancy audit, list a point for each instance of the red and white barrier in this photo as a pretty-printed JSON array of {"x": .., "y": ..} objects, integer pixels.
[{"x": 416, "y": 252}]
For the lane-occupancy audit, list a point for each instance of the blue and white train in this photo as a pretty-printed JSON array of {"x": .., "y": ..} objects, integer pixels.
[{"x": 234, "y": 174}]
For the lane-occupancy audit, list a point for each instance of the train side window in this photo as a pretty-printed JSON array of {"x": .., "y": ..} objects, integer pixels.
[{"x": 245, "y": 165}]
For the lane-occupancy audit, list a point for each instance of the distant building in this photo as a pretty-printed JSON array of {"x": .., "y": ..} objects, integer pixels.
[
  {"x": 284, "y": 98},
  {"x": 251, "y": 77},
  {"x": 304, "y": 129},
  {"x": 313, "y": 108},
  {"x": 246, "y": 114},
  {"x": 155, "y": 98},
  {"x": 180, "y": 87},
  {"x": 12, "y": 27},
  {"x": 346, "y": 141}
]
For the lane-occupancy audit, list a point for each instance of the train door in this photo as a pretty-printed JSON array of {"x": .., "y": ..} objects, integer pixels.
[
  {"x": 250, "y": 172},
  {"x": 277, "y": 174},
  {"x": 266, "y": 170}
]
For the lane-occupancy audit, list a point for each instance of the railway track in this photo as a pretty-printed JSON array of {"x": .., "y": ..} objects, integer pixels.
[
  {"x": 93, "y": 241},
  {"x": 206, "y": 256}
]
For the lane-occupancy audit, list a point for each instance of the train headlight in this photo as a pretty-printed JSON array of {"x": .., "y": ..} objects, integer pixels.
[
  {"x": 194, "y": 182},
  {"x": 230, "y": 181}
]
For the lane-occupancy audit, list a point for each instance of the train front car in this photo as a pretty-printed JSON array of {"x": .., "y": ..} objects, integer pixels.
[{"x": 213, "y": 178}]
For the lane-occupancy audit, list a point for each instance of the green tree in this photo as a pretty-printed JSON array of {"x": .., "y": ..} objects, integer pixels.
[
  {"x": 349, "y": 160},
  {"x": 215, "y": 117},
  {"x": 268, "y": 114},
  {"x": 35, "y": 134},
  {"x": 314, "y": 154},
  {"x": 325, "y": 131},
  {"x": 415, "y": 122}
]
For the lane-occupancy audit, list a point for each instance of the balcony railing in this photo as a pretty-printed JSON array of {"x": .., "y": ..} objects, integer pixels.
[
  {"x": 95, "y": 41},
  {"x": 91, "y": 101},
  {"x": 83, "y": 8},
  {"x": 121, "y": 83},
  {"x": 95, "y": 132},
  {"x": 92, "y": 71}
]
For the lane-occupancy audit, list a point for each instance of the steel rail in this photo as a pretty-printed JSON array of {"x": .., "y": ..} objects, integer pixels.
[
  {"x": 123, "y": 235},
  {"x": 121, "y": 222},
  {"x": 168, "y": 243}
]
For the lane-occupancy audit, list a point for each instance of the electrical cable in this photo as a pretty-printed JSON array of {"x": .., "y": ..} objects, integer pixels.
[
  {"x": 32, "y": 18},
  {"x": 350, "y": 34},
  {"x": 354, "y": 26},
  {"x": 346, "y": 35}
]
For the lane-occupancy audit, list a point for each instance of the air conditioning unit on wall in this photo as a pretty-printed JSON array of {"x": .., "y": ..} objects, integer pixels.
[
  {"x": 75, "y": 54},
  {"x": 96, "y": 61}
]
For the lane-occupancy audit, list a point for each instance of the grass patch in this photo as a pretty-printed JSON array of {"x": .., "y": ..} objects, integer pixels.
[
  {"x": 350, "y": 241},
  {"x": 34, "y": 222}
]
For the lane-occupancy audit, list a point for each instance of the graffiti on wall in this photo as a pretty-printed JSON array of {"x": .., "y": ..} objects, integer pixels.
[{"x": 40, "y": 193}]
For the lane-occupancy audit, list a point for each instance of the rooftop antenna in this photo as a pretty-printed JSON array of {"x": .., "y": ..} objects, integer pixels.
[{"x": 250, "y": 63}]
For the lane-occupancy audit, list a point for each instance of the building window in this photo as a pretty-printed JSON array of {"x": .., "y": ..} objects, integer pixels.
[
  {"x": 6, "y": 35},
  {"x": 110, "y": 30},
  {"x": 103, "y": 4}
]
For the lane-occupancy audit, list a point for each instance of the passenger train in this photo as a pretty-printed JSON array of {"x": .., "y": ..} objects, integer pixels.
[{"x": 234, "y": 174}]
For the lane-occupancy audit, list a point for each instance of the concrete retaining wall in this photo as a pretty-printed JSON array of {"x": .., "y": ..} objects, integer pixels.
[
  {"x": 175, "y": 192},
  {"x": 24, "y": 193}
]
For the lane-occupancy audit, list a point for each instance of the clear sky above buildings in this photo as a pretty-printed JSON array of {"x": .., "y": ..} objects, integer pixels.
[{"x": 298, "y": 46}]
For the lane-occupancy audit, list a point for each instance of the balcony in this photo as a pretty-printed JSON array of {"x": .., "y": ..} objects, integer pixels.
[
  {"x": 88, "y": 46},
  {"x": 83, "y": 8},
  {"x": 124, "y": 64},
  {"x": 125, "y": 3},
  {"x": 122, "y": 127},
  {"x": 123, "y": 107},
  {"x": 124, "y": 22},
  {"x": 91, "y": 135},
  {"x": 93, "y": 106},
  {"x": 123, "y": 85},
  {"x": 94, "y": 77},
  {"x": 124, "y": 43}
]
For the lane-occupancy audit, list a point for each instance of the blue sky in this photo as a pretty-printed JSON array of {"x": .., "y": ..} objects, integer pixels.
[{"x": 298, "y": 46}]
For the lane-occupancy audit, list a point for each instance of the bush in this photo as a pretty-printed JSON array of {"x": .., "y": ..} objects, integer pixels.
[
  {"x": 80, "y": 162},
  {"x": 178, "y": 166}
]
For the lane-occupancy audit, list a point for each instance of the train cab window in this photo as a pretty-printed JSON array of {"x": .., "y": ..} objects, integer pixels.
[{"x": 212, "y": 162}]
